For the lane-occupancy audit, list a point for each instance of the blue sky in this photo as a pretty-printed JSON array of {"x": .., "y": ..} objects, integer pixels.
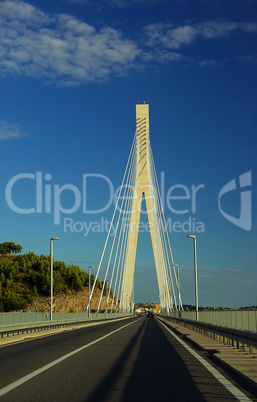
[{"x": 71, "y": 73}]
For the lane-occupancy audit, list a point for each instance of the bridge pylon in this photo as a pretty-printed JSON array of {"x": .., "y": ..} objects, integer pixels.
[
  {"x": 139, "y": 181},
  {"x": 145, "y": 185}
]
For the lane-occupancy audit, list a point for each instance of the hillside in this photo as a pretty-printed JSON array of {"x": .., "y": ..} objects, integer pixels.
[
  {"x": 73, "y": 302},
  {"x": 25, "y": 284}
]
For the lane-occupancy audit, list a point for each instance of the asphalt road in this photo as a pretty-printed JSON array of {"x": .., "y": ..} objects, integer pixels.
[{"x": 136, "y": 359}]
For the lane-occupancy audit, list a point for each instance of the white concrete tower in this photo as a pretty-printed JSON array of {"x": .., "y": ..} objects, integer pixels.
[{"x": 144, "y": 184}]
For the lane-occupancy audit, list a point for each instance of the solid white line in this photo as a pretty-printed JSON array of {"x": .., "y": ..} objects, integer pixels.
[
  {"x": 28, "y": 377},
  {"x": 227, "y": 384}
]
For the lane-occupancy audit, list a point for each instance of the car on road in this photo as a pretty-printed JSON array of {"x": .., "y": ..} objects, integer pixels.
[{"x": 149, "y": 314}]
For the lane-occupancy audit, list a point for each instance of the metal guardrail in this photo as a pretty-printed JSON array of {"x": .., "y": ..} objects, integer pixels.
[
  {"x": 230, "y": 336},
  {"x": 18, "y": 329},
  {"x": 26, "y": 329},
  {"x": 245, "y": 320},
  {"x": 24, "y": 318}
]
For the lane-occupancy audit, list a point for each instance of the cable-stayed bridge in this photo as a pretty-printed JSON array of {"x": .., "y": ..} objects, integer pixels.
[
  {"x": 140, "y": 358},
  {"x": 119, "y": 253}
]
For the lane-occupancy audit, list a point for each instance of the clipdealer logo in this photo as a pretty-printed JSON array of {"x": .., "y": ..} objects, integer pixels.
[
  {"x": 48, "y": 198},
  {"x": 245, "y": 208}
]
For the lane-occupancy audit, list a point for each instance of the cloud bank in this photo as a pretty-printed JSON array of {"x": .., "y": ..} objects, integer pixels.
[
  {"x": 62, "y": 49},
  {"x": 169, "y": 37}
]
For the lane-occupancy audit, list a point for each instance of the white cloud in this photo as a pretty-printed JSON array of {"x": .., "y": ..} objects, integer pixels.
[
  {"x": 10, "y": 130},
  {"x": 21, "y": 11},
  {"x": 171, "y": 37},
  {"x": 210, "y": 63},
  {"x": 165, "y": 35},
  {"x": 165, "y": 42},
  {"x": 60, "y": 48}
]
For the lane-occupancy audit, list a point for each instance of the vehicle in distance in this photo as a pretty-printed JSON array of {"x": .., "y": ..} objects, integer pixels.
[{"x": 149, "y": 314}]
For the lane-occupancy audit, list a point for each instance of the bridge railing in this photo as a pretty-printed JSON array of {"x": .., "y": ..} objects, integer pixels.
[
  {"x": 229, "y": 336},
  {"x": 7, "y": 319},
  {"x": 245, "y": 320}
]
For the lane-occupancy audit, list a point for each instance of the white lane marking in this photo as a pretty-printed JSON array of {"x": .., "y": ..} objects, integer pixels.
[
  {"x": 227, "y": 384},
  {"x": 28, "y": 377}
]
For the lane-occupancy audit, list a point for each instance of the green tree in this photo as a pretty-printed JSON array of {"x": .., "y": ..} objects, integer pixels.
[
  {"x": 23, "y": 277},
  {"x": 76, "y": 283},
  {"x": 10, "y": 247},
  {"x": 2, "y": 278},
  {"x": 35, "y": 292}
]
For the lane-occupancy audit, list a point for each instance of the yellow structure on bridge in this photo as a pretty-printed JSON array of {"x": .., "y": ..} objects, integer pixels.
[
  {"x": 139, "y": 181},
  {"x": 144, "y": 185}
]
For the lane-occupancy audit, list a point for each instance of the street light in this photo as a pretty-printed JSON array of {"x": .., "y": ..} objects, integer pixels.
[
  {"x": 122, "y": 301},
  {"x": 107, "y": 293},
  {"x": 164, "y": 295},
  {"x": 178, "y": 287},
  {"x": 89, "y": 279},
  {"x": 116, "y": 307},
  {"x": 51, "y": 275},
  {"x": 196, "y": 286}
]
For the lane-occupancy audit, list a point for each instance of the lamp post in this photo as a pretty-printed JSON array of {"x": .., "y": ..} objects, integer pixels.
[
  {"x": 89, "y": 279},
  {"x": 116, "y": 306},
  {"x": 122, "y": 301},
  {"x": 178, "y": 287},
  {"x": 51, "y": 275},
  {"x": 106, "y": 306},
  {"x": 196, "y": 286},
  {"x": 164, "y": 296}
]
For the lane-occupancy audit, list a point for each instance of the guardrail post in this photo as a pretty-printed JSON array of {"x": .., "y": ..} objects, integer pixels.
[{"x": 251, "y": 349}]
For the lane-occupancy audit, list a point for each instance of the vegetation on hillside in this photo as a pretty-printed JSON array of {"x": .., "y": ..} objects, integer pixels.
[{"x": 22, "y": 277}]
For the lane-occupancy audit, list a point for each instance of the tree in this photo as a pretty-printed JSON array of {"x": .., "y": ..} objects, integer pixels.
[
  {"x": 76, "y": 283},
  {"x": 23, "y": 277},
  {"x": 2, "y": 278},
  {"x": 9, "y": 247}
]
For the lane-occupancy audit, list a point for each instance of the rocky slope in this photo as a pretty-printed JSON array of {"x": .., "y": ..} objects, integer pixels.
[{"x": 72, "y": 302}]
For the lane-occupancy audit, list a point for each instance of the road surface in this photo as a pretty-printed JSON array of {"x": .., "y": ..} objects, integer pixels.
[{"x": 137, "y": 359}]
